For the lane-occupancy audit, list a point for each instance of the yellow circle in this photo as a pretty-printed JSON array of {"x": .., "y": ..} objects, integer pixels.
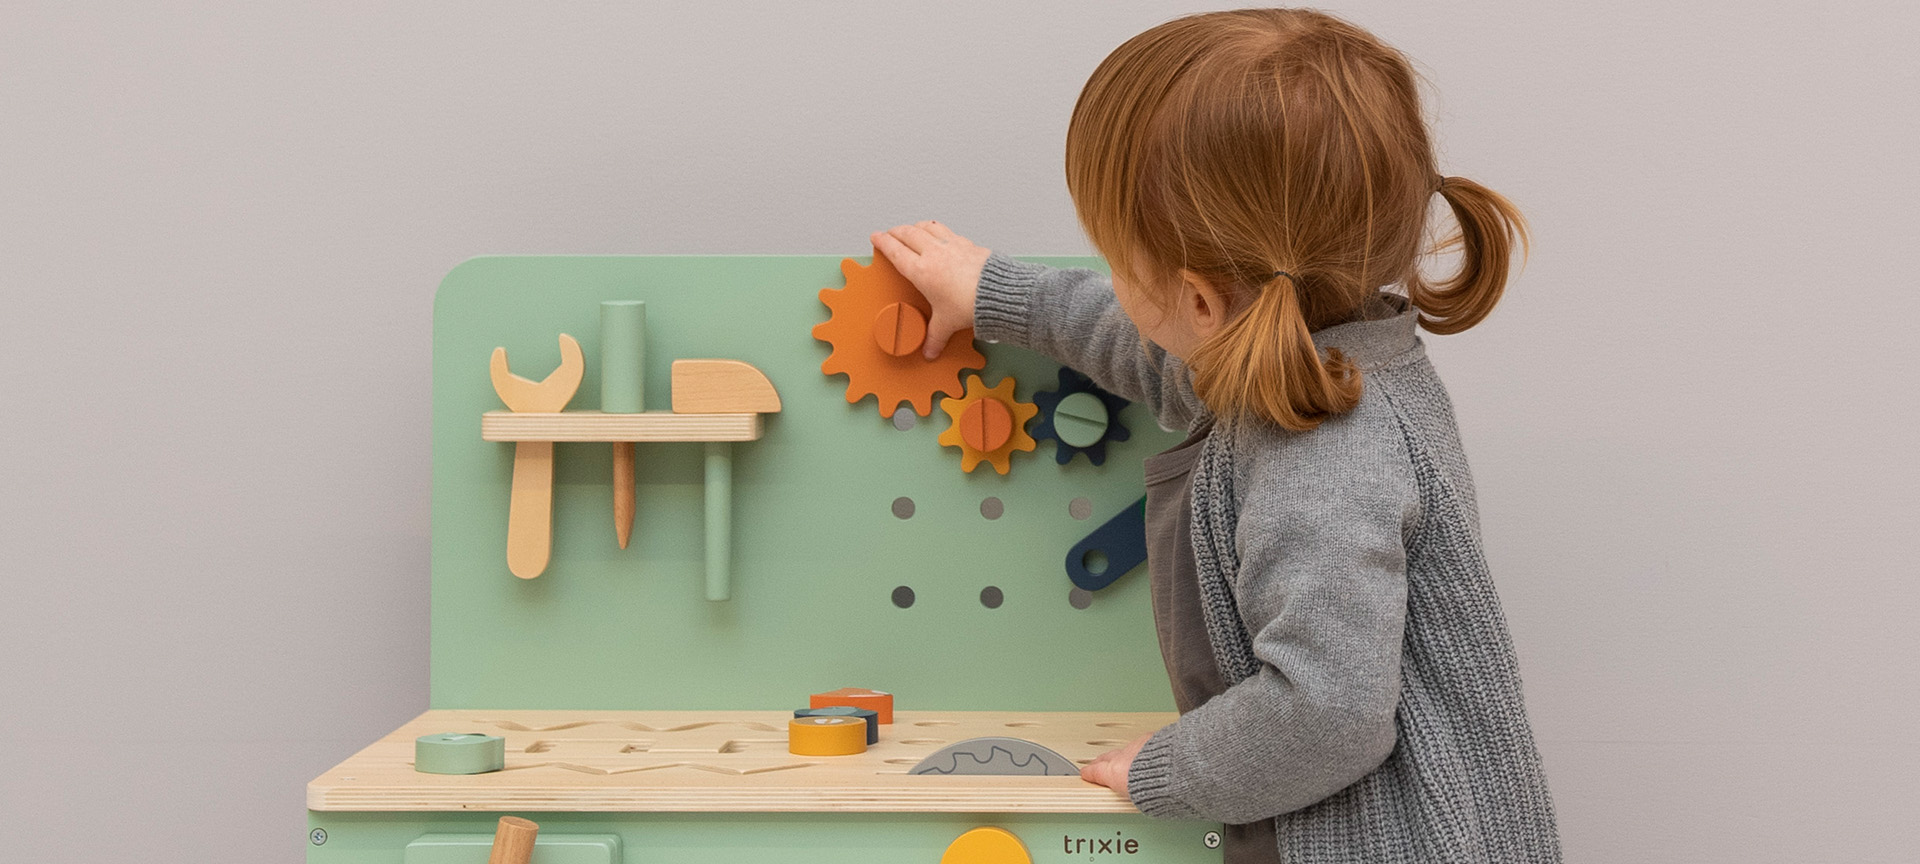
[{"x": 987, "y": 845}]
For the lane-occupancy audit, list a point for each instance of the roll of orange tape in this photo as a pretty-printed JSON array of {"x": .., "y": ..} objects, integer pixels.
[
  {"x": 878, "y": 701},
  {"x": 826, "y": 736}
]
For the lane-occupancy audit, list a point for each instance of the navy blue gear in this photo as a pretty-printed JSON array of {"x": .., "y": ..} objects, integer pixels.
[{"x": 1072, "y": 382}]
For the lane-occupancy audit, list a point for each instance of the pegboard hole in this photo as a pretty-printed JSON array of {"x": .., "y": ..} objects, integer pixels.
[
  {"x": 903, "y": 419},
  {"x": 903, "y": 597},
  {"x": 992, "y": 507},
  {"x": 903, "y": 507},
  {"x": 1023, "y": 724},
  {"x": 991, "y": 597},
  {"x": 1079, "y": 598},
  {"x": 1080, "y": 508},
  {"x": 1106, "y": 742}
]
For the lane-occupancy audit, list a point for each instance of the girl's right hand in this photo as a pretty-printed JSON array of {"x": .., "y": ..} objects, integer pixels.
[{"x": 944, "y": 266}]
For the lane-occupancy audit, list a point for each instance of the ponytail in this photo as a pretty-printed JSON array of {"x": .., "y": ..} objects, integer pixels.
[
  {"x": 1489, "y": 225},
  {"x": 1263, "y": 363}
]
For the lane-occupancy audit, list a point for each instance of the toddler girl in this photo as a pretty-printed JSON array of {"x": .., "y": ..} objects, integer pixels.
[{"x": 1259, "y": 182}]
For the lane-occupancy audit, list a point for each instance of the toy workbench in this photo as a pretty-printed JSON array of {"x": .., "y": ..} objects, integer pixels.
[{"x": 724, "y": 570}]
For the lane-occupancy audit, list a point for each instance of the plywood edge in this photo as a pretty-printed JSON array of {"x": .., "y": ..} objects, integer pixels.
[
  {"x": 318, "y": 787},
  {"x": 653, "y": 426},
  {"x": 997, "y": 799}
]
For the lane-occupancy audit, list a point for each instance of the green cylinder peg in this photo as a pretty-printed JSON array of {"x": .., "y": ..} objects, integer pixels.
[
  {"x": 459, "y": 753},
  {"x": 719, "y": 519},
  {"x": 623, "y": 345}
]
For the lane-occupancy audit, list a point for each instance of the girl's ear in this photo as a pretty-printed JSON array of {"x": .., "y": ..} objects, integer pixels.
[{"x": 1206, "y": 307}]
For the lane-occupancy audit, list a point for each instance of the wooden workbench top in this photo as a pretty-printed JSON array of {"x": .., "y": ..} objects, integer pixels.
[{"x": 724, "y": 761}]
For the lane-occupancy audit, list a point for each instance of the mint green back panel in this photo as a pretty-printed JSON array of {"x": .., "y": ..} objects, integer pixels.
[{"x": 817, "y": 549}]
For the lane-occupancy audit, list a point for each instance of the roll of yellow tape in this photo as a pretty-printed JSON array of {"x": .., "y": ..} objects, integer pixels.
[{"x": 826, "y": 736}]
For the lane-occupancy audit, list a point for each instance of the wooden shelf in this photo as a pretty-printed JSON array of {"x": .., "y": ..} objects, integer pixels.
[
  {"x": 598, "y": 426},
  {"x": 724, "y": 761}
]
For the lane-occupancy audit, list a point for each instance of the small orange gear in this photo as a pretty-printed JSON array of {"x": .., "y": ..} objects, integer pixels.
[
  {"x": 877, "y": 326},
  {"x": 988, "y": 424}
]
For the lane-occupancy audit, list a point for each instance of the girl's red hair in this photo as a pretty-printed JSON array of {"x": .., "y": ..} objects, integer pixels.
[{"x": 1240, "y": 144}]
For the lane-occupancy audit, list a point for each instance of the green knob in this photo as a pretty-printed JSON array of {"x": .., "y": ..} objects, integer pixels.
[
  {"x": 1080, "y": 419},
  {"x": 459, "y": 753}
]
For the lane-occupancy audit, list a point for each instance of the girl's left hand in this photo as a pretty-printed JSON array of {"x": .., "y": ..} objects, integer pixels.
[{"x": 1110, "y": 769}]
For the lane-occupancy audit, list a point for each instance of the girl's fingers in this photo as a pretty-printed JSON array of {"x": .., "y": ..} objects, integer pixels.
[
  {"x": 939, "y": 231},
  {"x": 940, "y": 328},
  {"x": 896, "y": 252},
  {"x": 1099, "y": 771},
  {"x": 915, "y": 238}
]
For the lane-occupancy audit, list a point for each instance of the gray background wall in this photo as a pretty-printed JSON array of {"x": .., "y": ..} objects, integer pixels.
[{"x": 221, "y": 225}]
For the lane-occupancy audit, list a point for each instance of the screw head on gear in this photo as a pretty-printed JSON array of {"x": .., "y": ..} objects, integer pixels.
[
  {"x": 878, "y": 328},
  {"x": 899, "y": 330}
]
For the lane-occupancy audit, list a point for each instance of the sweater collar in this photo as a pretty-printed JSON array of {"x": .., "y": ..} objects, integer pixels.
[{"x": 1379, "y": 342}]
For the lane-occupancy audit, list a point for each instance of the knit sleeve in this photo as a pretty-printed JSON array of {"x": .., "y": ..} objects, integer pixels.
[
  {"x": 1320, "y": 533},
  {"x": 1072, "y": 316}
]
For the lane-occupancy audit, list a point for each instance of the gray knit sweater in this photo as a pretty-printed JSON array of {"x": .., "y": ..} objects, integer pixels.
[{"x": 1374, "y": 705}]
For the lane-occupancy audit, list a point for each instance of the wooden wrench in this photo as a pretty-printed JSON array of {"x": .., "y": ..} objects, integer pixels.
[{"x": 530, "y": 510}]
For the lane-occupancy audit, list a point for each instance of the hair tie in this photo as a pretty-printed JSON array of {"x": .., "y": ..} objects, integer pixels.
[
  {"x": 1279, "y": 273},
  {"x": 1438, "y": 181}
]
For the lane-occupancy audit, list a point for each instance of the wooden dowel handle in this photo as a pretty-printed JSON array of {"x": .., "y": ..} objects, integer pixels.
[
  {"x": 513, "y": 841},
  {"x": 623, "y": 492},
  {"x": 719, "y": 503}
]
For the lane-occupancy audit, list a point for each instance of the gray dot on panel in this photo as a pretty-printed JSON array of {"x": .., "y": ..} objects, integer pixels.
[
  {"x": 1080, "y": 598},
  {"x": 903, "y": 507},
  {"x": 1080, "y": 508},
  {"x": 903, "y": 418},
  {"x": 991, "y": 597},
  {"x": 903, "y": 597},
  {"x": 992, "y": 507}
]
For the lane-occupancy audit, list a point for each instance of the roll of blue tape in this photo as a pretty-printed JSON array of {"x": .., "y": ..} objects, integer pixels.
[{"x": 868, "y": 714}]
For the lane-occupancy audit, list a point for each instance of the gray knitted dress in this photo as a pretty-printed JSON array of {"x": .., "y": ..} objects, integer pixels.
[{"x": 1373, "y": 707}]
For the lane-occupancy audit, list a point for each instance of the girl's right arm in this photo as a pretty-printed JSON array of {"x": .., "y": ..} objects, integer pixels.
[{"x": 1070, "y": 315}]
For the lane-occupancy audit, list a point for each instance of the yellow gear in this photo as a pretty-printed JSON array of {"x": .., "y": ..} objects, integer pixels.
[
  {"x": 988, "y": 424},
  {"x": 877, "y": 326}
]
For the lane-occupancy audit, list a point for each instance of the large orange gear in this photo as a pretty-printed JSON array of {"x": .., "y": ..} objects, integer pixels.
[
  {"x": 877, "y": 326},
  {"x": 988, "y": 424}
]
